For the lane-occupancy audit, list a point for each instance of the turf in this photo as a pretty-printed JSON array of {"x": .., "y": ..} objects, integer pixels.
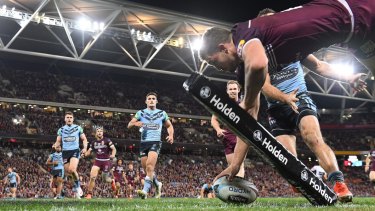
[{"x": 177, "y": 204}]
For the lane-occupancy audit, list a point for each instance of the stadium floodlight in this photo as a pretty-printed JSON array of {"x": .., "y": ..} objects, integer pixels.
[
  {"x": 372, "y": 78},
  {"x": 197, "y": 44},
  {"x": 343, "y": 69},
  {"x": 84, "y": 24}
]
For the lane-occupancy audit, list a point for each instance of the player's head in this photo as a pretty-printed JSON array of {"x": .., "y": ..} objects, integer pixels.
[
  {"x": 218, "y": 49},
  {"x": 99, "y": 132},
  {"x": 233, "y": 89},
  {"x": 119, "y": 162},
  {"x": 266, "y": 12},
  {"x": 58, "y": 148},
  {"x": 10, "y": 169},
  {"x": 151, "y": 100},
  {"x": 69, "y": 118}
]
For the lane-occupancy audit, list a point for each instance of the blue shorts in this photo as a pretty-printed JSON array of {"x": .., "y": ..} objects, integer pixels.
[
  {"x": 67, "y": 154},
  {"x": 13, "y": 185},
  {"x": 284, "y": 121},
  {"x": 146, "y": 147},
  {"x": 58, "y": 173}
]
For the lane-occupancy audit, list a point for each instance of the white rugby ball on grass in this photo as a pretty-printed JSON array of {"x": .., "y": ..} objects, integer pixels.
[{"x": 238, "y": 191}]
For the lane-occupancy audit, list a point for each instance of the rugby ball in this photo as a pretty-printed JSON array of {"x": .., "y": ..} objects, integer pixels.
[{"x": 238, "y": 191}]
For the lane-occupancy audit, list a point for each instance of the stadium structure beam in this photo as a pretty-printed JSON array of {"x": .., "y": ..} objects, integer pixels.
[
  {"x": 194, "y": 26},
  {"x": 60, "y": 41},
  {"x": 20, "y": 5},
  {"x": 161, "y": 45},
  {"x": 125, "y": 51},
  {"x": 124, "y": 11},
  {"x": 23, "y": 26},
  {"x": 181, "y": 59},
  {"x": 85, "y": 61},
  {"x": 109, "y": 20},
  {"x": 67, "y": 31}
]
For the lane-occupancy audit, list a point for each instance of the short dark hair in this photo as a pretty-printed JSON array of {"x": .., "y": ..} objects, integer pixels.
[
  {"x": 211, "y": 40},
  {"x": 152, "y": 93},
  {"x": 234, "y": 82},
  {"x": 265, "y": 11},
  {"x": 69, "y": 113}
]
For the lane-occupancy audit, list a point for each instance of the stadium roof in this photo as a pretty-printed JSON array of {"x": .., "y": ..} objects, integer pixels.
[{"x": 133, "y": 38}]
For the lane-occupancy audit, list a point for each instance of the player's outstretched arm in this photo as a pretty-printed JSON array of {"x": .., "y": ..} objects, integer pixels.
[
  {"x": 170, "y": 131},
  {"x": 323, "y": 68},
  {"x": 18, "y": 179},
  {"x": 256, "y": 68},
  {"x": 84, "y": 141}
]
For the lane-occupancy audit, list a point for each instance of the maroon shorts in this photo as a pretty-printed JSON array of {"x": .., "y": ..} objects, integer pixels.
[
  {"x": 229, "y": 142},
  {"x": 131, "y": 182},
  {"x": 104, "y": 166},
  {"x": 120, "y": 180}
]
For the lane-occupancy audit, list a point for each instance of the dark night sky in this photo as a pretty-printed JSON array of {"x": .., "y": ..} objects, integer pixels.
[{"x": 222, "y": 10}]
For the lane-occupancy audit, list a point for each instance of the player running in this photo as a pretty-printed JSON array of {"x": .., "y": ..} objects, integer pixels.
[
  {"x": 55, "y": 161},
  {"x": 150, "y": 122},
  {"x": 102, "y": 147},
  {"x": 131, "y": 177},
  {"x": 14, "y": 180},
  {"x": 68, "y": 137},
  {"x": 118, "y": 173}
]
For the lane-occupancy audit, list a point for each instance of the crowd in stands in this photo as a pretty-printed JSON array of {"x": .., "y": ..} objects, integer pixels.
[
  {"x": 182, "y": 176},
  {"x": 42, "y": 122}
]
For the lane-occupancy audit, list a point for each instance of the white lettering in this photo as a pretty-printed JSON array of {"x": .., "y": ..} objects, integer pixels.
[
  {"x": 322, "y": 191},
  {"x": 274, "y": 151},
  {"x": 223, "y": 108}
]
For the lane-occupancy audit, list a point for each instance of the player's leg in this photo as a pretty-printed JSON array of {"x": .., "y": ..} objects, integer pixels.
[
  {"x": 150, "y": 168},
  {"x": 145, "y": 161},
  {"x": 372, "y": 178},
  {"x": 117, "y": 190},
  {"x": 93, "y": 175},
  {"x": 241, "y": 173},
  {"x": 59, "y": 184},
  {"x": 73, "y": 165},
  {"x": 52, "y": 185},
  {"x": 310, "y": 132},
  {"x": 13, "y": 192},
  {"x": 156, "y": 147}
]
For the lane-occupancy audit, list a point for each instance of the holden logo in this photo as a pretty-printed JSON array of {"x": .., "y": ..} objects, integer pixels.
[
  {"x": 304, "y": 175},
  {"x": 205, "y": 92},
  {"x": 257, "y": 135}
]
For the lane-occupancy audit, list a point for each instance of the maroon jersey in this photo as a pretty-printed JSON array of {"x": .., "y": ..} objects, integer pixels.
[
  {"x": 102, "y": 148},
  {"x": 131, "y": 174},
  {"x": 372, "y": 154},
  {"x": 291, "y": 35},
  {"x": 118, "y": 171}
]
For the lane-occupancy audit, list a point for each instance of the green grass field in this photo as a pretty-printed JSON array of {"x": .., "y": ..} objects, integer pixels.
[{"x": 177, "y": 204}]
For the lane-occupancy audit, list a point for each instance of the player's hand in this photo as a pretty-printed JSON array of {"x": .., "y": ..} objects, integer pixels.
[
  {"x": 291, "y": 100},
  {"x": 230, "y": 171},
  {"x": 357, "y": 82},
  {"x": 220, "y": 133},
  {"x": 138, "y": 124},
  {"x": 112, "y": 157},
  {"x": 169, "y": 139}
]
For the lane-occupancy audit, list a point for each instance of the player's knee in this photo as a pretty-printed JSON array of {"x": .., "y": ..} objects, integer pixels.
[
  {"x": 149, "y": 168},
  {"x": 312, "y": 138}
]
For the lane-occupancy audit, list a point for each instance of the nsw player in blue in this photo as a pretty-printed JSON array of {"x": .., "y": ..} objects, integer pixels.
[
  {"x": 207, "y": 191},
  {"x": 150, "y": 121},
  {"x": 14, "y": 180},
  {"x": 56, "y": 163},
  {"x": 68, "y": 137}
]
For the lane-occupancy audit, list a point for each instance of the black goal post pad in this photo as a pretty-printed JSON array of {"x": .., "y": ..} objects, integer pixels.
[{"x": 253, "y": 133}]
